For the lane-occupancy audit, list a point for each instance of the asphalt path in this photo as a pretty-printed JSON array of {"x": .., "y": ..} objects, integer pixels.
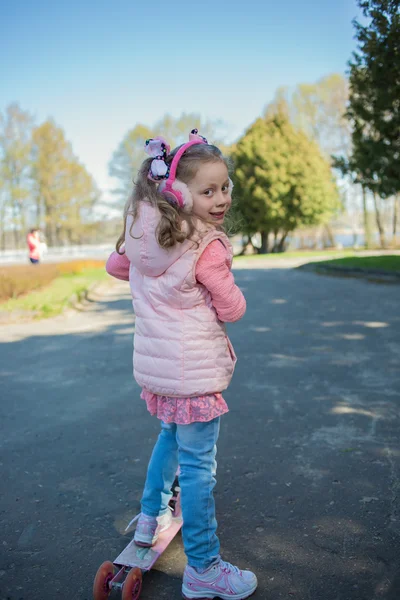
[{"x": 308, "y": 492}]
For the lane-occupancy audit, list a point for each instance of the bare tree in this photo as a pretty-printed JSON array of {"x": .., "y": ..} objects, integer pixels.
[{"x": 15, "y": 160}]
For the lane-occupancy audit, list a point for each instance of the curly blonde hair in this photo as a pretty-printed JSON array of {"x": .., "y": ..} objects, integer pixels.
[{"x": 169, "y": 230}]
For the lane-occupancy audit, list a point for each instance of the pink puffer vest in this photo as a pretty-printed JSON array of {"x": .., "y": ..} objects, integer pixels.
[{"x": 180, "y": 347}]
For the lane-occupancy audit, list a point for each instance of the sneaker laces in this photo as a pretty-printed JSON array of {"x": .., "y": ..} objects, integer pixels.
[
  {"x": 147, "y": 520},
  {"x": 132, "y": 522},
  {"x": 227, "y": 568}
]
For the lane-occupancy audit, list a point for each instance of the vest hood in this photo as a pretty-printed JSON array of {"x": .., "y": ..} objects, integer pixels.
[{"x": 141, "y": 245}]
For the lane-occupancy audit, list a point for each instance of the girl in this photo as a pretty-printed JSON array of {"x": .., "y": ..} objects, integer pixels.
[
  {"x": 33, "y": 241},
  {"x": 178, "y": 262}
]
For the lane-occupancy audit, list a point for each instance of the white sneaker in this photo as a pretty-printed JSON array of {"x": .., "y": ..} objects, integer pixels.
[
  {"x": 221, "y": 580},
  {"x": 149, "y": 528}
]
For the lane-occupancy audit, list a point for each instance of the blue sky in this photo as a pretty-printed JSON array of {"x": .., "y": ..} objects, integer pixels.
[{"x": 98, "y": 68}]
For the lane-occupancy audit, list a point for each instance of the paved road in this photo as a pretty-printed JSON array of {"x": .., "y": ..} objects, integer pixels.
[{"x": 309, "y": 457}]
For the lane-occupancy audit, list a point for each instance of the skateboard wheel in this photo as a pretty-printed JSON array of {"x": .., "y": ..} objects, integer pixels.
[
  {"x": 132, "y": 585},
  {"x": 101, "y": 585}
]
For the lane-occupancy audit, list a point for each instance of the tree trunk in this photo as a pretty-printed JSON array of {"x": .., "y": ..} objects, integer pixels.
[
  {"x": 15, "y": 231},
  {"x": 245, "y": 243},
  {"x": 22, "y": 218},
  {"x": 255, "y": 249},
  {"x": 281, "y": 245},
  {"x": 379, "y": 222},
  {"x": 57, "y": 235},
  {"x": 275, "y": 243},
  {"x": 355, "y": 236},
  {"x": 329, "y": 235},
  {"x": 38, "y": 211},
  {"x": 395, "y": 214},
  {"x": 367, "y": 231},
  {"x": 49, "y": 228},
  {"x": 264, "y": 242},
  {"x": 48, "y": 215}
]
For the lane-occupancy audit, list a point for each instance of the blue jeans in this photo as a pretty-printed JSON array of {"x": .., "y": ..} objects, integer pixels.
[{"x": 193, "y": 447}]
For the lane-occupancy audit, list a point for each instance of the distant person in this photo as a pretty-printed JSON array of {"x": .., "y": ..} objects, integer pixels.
[
  {"x": 178, "y": 260},
  {"x": 33, "y": 240}
]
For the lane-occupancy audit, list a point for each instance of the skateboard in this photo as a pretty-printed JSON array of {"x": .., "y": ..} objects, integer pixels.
[{"x": 126, "y": 571}]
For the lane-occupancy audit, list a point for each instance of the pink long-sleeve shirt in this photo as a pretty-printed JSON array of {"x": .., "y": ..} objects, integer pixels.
[{"x": 214, "y": 272}]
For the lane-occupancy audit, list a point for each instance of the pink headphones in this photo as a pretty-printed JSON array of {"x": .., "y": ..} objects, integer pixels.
[{"x": 174, "y": 191}]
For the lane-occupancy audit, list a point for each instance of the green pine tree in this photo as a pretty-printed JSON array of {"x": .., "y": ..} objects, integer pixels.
[{"x": 282, "y": 181}]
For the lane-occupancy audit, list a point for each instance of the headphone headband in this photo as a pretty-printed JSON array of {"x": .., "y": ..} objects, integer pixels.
[{"x": 174, "y": 191}]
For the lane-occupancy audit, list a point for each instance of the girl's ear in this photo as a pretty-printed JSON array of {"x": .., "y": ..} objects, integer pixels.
[
  {"x": 186, "y": 195},
  {"x": 177, "y": 194},
  {"x": 230, "y": 187}
]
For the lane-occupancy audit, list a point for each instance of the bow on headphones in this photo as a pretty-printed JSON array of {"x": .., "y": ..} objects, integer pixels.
[{"x": 174, "y": 191}]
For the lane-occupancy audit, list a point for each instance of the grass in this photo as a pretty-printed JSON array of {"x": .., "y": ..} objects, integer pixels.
[
  {"x": 52, "y": 299},
  {"x": 19, "y": 280},
  {"x": 297, "y": 254},
  {"x": 389, "y": 263}
]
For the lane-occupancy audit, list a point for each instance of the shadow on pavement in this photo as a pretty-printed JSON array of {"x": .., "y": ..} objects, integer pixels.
[{"x": 308, "y": 458}]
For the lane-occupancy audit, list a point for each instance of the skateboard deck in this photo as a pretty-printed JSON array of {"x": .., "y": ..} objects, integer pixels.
[{"x": 144, "y": 558}]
